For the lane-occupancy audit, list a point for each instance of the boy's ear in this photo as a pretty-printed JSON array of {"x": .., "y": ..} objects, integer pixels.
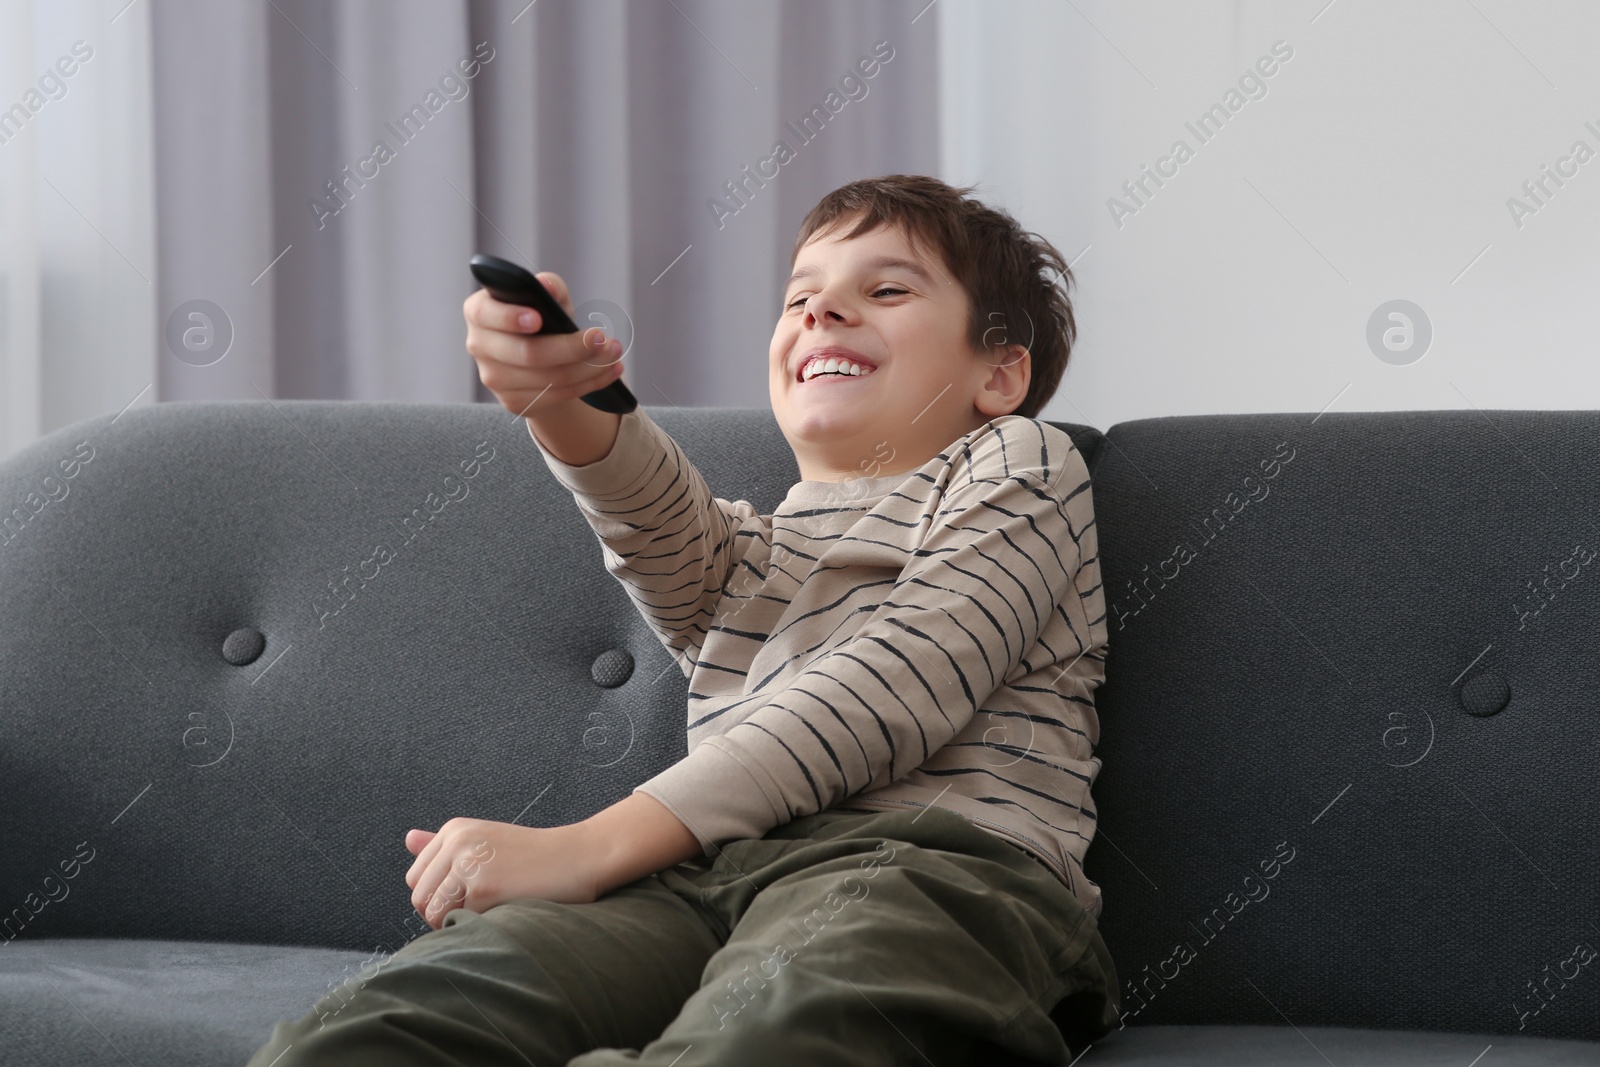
[{"x": 1010, "y": 371}]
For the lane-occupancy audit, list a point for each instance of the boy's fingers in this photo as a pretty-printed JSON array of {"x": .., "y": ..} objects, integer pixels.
[
  {"x": 574, "y": 355},
  {"x": 557, "y": 287},
  {"x": 515, "y": 376},
  {"x": 521, "y": 402},
  {"x": 425, "y": 857},
  {"x": 428, "y": 883},
  {"x": 491, "y": 314},
  {"x": 416, "y": 839},
  {"x": 597, "y": 350},
  {"x": 484, "y": 310},
  {"x": 517, "y": 399}
]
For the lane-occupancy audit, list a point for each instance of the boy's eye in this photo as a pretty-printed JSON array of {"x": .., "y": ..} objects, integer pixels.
[{"x": 875, "y": 292}]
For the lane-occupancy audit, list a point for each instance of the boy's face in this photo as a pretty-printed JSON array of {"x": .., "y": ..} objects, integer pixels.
[{"x": 924, "y": 387}]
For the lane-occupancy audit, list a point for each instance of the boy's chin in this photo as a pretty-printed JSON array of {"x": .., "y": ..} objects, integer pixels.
[
  {"x": 821, "y": 427},
  {"x": 825, "y": 420}
]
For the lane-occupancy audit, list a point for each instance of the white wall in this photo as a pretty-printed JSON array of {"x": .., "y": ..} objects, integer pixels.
[{"x": 1377, "y": 166}]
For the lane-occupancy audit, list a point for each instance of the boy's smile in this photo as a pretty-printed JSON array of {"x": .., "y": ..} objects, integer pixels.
[
  {"x": 870, "y": 358},
  {"x": 846, "y": 363}
]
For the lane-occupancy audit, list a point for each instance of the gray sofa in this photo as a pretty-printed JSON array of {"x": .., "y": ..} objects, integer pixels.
[{"x": 1350, "y": 732}]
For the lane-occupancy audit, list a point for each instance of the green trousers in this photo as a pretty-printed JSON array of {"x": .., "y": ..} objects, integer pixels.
[{"x": 841, "y": 937}]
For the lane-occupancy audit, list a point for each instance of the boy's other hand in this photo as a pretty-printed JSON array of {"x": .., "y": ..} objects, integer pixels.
[
  {"x": 477, "y": 864},
  {"x": 528, "y": 373}
]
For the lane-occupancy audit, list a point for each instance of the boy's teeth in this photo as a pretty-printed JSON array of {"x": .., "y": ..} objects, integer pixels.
[{"x": 833, "y": 365}]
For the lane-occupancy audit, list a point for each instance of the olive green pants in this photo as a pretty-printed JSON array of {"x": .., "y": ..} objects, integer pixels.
[{"x": 842, "y": 937}]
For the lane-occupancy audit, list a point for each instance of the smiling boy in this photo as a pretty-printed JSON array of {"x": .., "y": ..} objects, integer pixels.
[{"x": 891, "y": 678}]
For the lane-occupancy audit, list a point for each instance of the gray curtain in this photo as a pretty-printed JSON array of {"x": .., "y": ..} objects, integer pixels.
[{"x": 590, "y": 138}]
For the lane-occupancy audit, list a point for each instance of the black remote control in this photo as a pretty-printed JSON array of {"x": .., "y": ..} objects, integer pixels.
[{"x": 511, "y": 284}]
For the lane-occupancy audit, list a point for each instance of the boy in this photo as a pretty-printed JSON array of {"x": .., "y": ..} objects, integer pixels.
[{"x": 873, "y": 851}]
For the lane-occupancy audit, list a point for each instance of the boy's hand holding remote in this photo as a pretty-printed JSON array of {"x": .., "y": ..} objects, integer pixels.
[{"x": 543, "y": 376}]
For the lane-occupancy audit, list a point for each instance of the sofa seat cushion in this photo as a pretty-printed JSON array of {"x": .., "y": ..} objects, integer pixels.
[
  {"x": 88, "y": 1002},
  {"x": 84, "y": 1002},
  {"x": 1318, "y": 1046}
]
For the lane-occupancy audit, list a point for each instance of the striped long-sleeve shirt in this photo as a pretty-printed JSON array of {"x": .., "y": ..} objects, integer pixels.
[{"x": 927, "y": 638}]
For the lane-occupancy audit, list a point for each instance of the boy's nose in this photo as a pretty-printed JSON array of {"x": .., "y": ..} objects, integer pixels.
[{"x": 823, "y": 307}]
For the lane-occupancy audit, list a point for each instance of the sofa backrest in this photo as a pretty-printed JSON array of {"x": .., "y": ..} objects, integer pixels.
[
  {"x": 244, "y": 646},
  {"x": 1349, "y": 728}
]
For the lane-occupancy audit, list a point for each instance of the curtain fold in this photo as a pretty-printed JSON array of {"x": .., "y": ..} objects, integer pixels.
[
  {"x": 286, "y": 192},
  {"x": 382, "y": 143}
]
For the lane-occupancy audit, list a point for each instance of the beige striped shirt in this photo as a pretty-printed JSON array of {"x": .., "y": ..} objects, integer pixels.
[{"x": 927, "y": 638}]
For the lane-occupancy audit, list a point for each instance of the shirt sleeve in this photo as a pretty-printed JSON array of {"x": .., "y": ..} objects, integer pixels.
[
  {"x": 999, "y": 557},
  {"x": 662, "y": 533}
]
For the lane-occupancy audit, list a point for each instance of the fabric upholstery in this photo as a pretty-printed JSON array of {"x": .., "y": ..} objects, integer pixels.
[
  {"x": 226, "y": 756},
  {"x": 1284, "y": 685}
]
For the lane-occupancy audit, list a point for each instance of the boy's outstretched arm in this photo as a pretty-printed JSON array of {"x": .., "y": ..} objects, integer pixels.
[{"x": 664, "y": 535}]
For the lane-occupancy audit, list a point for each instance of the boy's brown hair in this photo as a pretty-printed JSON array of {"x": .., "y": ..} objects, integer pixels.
[{"x": 1015, "y": 280}]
